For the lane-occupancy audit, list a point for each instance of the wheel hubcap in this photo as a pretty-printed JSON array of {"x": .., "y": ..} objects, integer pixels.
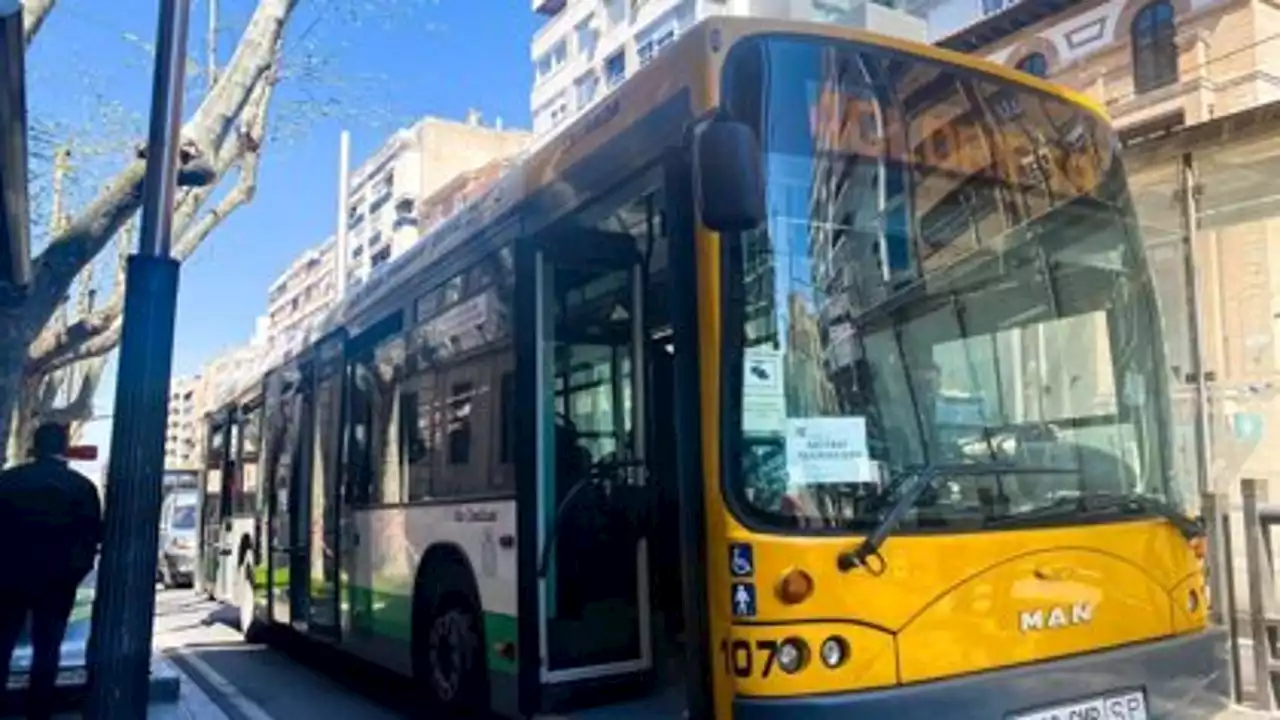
[{"x": 451, "y": 645}]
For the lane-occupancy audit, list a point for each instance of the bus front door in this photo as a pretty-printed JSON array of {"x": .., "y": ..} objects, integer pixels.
[
  {"x": 593, "y": 559},
  {"x": 324, "y": 618}
]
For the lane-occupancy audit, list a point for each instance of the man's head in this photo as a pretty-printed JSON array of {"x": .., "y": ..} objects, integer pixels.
[{"x": 51, "y": 440}]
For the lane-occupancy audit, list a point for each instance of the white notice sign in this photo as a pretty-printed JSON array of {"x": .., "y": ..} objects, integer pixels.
[
  {"x": 764, "y": 400},
  {"x": 828, "y": 450}
]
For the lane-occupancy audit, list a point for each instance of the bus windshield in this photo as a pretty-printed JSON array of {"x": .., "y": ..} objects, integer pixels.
[{"x": 950, "y": 279}]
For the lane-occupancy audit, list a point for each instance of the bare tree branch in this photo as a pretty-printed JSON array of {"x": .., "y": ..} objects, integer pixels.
[
  {"x": 81, "y": 406},
  {"x": 60, "y": 342},
  {"x": 59, "y": 345},
  {"x": 248, "y": 142},
  {"x": 68, "y": 252},
  {"x": 34, "y": 13},
  {"x": 94, "y": 346}
]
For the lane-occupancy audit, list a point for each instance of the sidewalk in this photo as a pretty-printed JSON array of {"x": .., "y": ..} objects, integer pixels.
[
  {"x": 181, "y": 621},
  {"x": 192, "y": 702}
]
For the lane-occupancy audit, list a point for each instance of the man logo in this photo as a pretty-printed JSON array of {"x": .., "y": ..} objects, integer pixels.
[{"x": 1053, "y": 618}]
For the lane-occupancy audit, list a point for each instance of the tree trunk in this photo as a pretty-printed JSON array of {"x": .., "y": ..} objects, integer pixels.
[{"x": 13, "y": 360}]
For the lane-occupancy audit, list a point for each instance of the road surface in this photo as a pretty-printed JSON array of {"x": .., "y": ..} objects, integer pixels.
[{"x": 255, "y": 682}]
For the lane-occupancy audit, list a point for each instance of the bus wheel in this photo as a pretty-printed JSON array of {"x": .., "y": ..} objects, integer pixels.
[
  {"x": 449, "y": 656},
  {"x": 249, "y": 625}
]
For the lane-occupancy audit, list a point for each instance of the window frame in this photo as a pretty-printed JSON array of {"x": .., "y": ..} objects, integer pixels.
[
  {"x": 1154, "y": 47},
  {"x": 1034, "y": 64}
]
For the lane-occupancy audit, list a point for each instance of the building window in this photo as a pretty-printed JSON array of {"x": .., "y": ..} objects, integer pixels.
[
  {"x": 552, "y": 60},
  {"x": 1155, "y": 53},
  {"x": 647, "y": 50},
  {"x": 587, "y": 37},
  {"x": 586, "y": 88},
  {"x": 615, "y": 68},
  {"x": 380, "y": 256},
  {"x": 1034, "y": 64},
  {"x": 559, "y": 113}
]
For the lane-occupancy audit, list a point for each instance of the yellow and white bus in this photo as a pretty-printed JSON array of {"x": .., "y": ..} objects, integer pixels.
[{"x": 812, "y": 374}]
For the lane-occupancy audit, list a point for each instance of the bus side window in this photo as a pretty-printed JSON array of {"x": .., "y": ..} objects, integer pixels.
[
  {"x": 420, "y": 418},
  {"x": 359, "y": 421}
]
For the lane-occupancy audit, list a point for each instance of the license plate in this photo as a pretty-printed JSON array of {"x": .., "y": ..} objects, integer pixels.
[{"x": 1129, "y": 705}]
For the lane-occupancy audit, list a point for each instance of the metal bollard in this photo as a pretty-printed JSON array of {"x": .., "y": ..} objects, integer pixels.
[
  {"x": 1216, "y": 512},
  {"x": 1259, "y": 602}
]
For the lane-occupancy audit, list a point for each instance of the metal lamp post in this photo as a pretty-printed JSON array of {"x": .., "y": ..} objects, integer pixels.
[
  {"x": 120, "y": 644},
  {"x": 15, "y": 216}
]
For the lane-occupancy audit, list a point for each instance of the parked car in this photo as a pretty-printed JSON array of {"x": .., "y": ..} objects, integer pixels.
[
  {"x": 73, "y": 670},
  {"x": 178, "y": 525}
]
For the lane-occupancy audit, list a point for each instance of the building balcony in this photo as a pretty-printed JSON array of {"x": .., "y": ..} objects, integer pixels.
[
  {"x": 550, "y": 8},
  {"x": 560, "y": 26}
]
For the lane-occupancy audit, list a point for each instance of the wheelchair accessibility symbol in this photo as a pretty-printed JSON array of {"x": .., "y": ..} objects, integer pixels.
[{"x": 741, "y": 563}]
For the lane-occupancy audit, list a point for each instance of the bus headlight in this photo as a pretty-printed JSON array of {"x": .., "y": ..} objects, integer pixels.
[
  {"x": 793, "y": 655},
  {"x": 834, "y": 651}
]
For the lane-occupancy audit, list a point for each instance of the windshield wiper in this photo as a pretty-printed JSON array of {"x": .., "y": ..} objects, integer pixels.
[
  {"x": 1106, "y": 501},
  {"x": 913, "y": 483}
]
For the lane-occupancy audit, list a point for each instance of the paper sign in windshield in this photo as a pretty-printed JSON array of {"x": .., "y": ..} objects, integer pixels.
[
  {"x": 828, "y": 451},
  {"x": 764, "y": 400}
]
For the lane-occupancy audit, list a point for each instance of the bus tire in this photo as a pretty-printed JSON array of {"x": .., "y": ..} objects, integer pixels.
[
  {"x": 449, "y": 666},
  {"x": 250, "y": 628}
]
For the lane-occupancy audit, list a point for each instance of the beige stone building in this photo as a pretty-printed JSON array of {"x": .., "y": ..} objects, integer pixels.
[
  {"x": 1154, "y": 64},
  {"x": 182, "y": 441},
  {"x": 455, "y": 194},
  {"x": 1193, "y": 86},
  {"x": 300, "y": 297},
  {"x": 382, "y": 217},
  {"x": 418, "y": 177}
]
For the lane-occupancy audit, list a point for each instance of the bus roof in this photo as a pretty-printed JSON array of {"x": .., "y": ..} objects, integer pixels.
[
  {"x": 678, "y": 69},
  {"x": 752, "y": 26}
]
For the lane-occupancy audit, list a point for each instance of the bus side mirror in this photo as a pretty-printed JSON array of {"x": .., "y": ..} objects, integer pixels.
[{"x": 728, "y": 176}]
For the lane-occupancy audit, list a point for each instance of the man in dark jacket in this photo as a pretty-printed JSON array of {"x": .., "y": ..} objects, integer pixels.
[{"x": 50, "y": 527}]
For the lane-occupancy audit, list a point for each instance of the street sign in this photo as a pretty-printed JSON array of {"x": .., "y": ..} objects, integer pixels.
[
  {"x": 741, "y": 563},
  {"x": 743, "y": 596}
]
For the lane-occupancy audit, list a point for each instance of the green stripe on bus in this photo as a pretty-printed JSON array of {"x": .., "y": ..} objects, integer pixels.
[{"x": 390, "y": 614}]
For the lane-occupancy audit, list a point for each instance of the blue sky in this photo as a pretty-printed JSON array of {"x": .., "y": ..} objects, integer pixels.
[{"x": 402, "y": 60}]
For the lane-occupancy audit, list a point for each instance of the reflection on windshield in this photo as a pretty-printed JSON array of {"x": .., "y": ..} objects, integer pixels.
[
  {"x": 184, "y": 517},
  {"x": 948, "y": 276}
]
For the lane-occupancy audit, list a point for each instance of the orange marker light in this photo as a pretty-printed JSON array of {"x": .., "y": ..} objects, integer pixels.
[
  {"x": 795, "y": 587},
  {"x": 1199, "y": 546}
]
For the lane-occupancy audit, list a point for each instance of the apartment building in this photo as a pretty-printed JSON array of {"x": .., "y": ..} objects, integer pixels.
[
  {"x": 183, "y": 440},
  {"x": 456, "y": 194},
  {"x": 388, "y": 211},
  {"x": 588, "y": 47},
  {"x": 300, "y": 297},
  {"x": 385, "y": 190},
  {"x": 230, "y": 373}
]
